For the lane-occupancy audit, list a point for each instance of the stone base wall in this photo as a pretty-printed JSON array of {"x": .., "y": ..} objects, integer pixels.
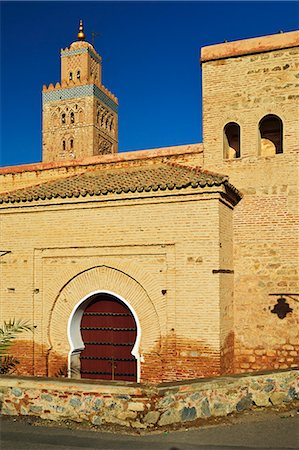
[{"x": 138, "y": 406}]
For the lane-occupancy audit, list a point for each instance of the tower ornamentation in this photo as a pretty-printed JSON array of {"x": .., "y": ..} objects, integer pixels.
[{"x": 79, "y": 113}]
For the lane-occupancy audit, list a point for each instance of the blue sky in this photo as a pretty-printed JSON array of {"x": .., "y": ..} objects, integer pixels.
[{"x": 150, "y": 56}]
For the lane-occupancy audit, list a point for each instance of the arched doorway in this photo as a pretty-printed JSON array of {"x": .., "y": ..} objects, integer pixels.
[{"x": 105, "y": 334}]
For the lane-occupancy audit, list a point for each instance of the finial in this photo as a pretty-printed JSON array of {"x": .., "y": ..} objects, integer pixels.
[{"x": 81, "y": 35}]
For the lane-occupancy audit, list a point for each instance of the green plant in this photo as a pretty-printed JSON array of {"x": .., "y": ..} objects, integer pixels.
[{"x": 8, "y": 332}]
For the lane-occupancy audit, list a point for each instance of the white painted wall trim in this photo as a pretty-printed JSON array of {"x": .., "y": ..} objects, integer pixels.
[{"x": 74, "y": 333}]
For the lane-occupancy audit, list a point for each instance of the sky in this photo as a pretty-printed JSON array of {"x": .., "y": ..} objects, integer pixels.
[{"x": 150, "y": 54}]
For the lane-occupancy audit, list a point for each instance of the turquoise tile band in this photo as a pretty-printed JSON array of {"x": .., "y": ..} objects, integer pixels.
[{"x": 79, "y": 91}]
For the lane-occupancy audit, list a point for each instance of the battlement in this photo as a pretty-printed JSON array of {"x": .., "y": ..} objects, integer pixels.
[
  {"x": 73, "y": 83},
  {"x": 108, "y": 93}
]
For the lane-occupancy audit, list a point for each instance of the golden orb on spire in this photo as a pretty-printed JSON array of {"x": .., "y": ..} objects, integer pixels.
[{"x": 81, "y": 35}]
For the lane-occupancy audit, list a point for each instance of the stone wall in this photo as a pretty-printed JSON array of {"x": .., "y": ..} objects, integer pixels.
[
  {"x": 242, "y": 82},
  {"x": 144, "y": 407}
]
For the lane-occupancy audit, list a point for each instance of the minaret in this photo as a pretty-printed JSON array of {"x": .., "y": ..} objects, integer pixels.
[{"x": 80, "y": 116}]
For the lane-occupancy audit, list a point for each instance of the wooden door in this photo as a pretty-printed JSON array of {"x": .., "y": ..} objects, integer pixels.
[{"x": 108, "y": 331}]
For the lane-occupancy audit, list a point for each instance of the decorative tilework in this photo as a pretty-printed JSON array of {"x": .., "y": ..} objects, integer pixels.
[
  {"x": 79, "y": 91},
  {"x": 105, "y": 99},
  {"x": 80, "y": 51}
]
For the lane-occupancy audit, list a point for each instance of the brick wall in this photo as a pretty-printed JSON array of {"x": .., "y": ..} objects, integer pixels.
[
  {"x": 243, "y": 88},
  {"x": 156, "y": 251}
]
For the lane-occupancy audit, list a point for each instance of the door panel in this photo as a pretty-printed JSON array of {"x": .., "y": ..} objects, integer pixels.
[{"x": 109, "y": 331}]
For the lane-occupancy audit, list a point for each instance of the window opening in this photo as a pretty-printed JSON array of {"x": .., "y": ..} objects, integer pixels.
[
  {"x": 72, "y": 117},
  {"x": 63, "y": 145},
  {"x": 63, "y": 118},
  {"x": 78, "y": 75},
  {"x": 270, "y": 135},
  {"x": 231, "y": 141},
  {"x": 71, "y": 76},
  {"x": 72, "y": 143}
]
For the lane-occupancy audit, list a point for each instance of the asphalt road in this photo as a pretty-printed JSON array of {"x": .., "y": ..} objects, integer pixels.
[{"x": 267, "y": 431}]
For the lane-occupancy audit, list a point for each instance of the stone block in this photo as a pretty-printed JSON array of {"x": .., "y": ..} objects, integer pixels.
[
  {"x": 269, "y": 387},
  {"x": 244, "y": 403},
  {"x": 277, "y": 398},
  {"x": 205, "y": 408},
  {"x": 75, "y": 401},
  {"x": 188, "y": 414},
  {"x": 137, "y": 425},
  {"x": 17, "y": 392},
  {"x": 293, "y": 393},
  {"x": 98, "y": 404},
  {"x": 261, "y": 398},
  {"x": 46, "y": 397},
  {"x": 124, "y": 415},
  {"x": 166, "y": 401},
  {"x": 151, "y": 417},
  {"x": 35, "y": 409},
  {"x": 135, "y": 406},
  {"x": 96, "y": 420},
  {"x": 219, "y": 409},
  {"x": 169, "y": 417}
]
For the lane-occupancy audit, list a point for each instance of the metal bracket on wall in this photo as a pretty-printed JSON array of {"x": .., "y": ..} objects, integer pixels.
[
  {"x": 4, "y": 252},
  {"x": 287, "y": 294},
  {"x": 282, "y": 308}
]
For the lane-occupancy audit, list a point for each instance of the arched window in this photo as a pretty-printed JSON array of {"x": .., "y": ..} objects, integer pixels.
[
  {"x": 72, "y": 115},
  {"x": 71, "y": 76},
  {"x": 72, "y": 143},
  {"x": 78, "y": 74},
  {"x": 231, "y": 141},
  {"x": 81, "y": 115},
  {"x": 63, "y": 145},
  {"x": 270, "y": 135},
  {"x": 63, "y": 118}
]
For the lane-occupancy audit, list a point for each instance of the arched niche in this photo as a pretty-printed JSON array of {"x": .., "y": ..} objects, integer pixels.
[
  {"x": 231, "y": 141},
  {"x": 270, "y": 135},
  {"x": 76, "y": 340},
  {"x": 66, "y": 310}
]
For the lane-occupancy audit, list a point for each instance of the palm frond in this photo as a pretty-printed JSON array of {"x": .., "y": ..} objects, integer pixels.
[
  {"x": 9, "y": 332},
  {"x": 7, "y": 364}
]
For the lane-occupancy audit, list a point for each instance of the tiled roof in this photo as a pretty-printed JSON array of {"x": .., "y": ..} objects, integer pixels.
[{"x": 150, "y": 177}]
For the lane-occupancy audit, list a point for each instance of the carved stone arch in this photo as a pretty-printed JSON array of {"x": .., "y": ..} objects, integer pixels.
[
  {"x": 270, "y": 135},
  {"x": 71, "y": 143},
  {"x": 72, "y": 116},
  {"x": 79, "y": 289},
  {"x": 231, "y": 140},
  {"x": 78, "y": 74},
  {"x": 81, "y": 115},
  {"x": 55, "y": 119}
]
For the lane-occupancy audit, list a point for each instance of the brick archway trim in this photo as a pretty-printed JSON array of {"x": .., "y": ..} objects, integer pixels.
[{"x": 99, "y": 279}]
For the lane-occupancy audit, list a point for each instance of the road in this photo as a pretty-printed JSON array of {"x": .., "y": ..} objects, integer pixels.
[{"x": 261, "y": 431}]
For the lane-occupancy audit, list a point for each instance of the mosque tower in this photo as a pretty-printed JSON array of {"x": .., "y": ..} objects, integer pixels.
[{"x": 80, "y": 115}]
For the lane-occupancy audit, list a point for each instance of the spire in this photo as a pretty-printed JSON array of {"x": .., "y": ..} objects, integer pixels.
[{"x": 81, "y": 35}]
